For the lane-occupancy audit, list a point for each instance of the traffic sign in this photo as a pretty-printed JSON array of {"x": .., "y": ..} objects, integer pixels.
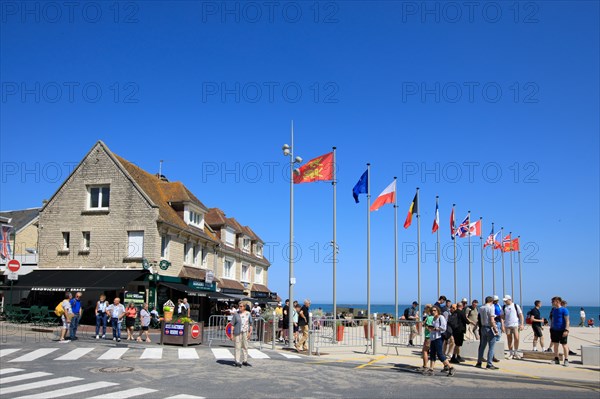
[
  {"x": 13, "y": 265},
  {"x": 195, "y": 331},
  {"x": 13, "y": 276}
]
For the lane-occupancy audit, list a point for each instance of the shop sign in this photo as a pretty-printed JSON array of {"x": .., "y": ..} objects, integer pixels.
[
  {"x": 210, "y": 276},
  {"x": 174, "y": 329},
  {"x": 202, "y": 285},
  {"x": 138, "y": 298},
  {"x": 259, "y": 294}
]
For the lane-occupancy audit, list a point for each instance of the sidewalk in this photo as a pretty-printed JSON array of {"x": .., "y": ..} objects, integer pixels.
[{"x": 386, "y": 357}]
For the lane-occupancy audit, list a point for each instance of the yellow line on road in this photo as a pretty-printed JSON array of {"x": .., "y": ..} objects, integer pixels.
[{"x": 371, "y": 362}]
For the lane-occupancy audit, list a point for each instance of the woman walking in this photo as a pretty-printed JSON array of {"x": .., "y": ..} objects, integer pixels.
[
  {"x": 145, "y": 318},
  {"x": 130, "y": 316},
  {"x": 101, "y": 316},
  {"x": 436, "y": 331}
]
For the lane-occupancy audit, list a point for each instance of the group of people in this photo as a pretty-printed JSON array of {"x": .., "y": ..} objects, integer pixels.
[
  {"x": 114, "y": 314},
  {"x": 446, "y": 325}
]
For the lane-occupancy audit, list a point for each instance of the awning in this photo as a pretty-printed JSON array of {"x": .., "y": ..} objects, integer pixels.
[
  {"x": 192, "y": 292},
  {"x": 76, "y": 280}
]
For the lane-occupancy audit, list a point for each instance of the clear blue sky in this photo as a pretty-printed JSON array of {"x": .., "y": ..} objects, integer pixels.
[{"x": 462, "y": 93}]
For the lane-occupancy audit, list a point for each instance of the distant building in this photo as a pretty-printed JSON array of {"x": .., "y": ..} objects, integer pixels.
[
  {"x": 24, "y": 224},
  {"x": 114, "y": 228}
]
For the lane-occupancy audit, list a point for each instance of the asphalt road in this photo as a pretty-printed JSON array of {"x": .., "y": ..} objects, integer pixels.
[{"x": 88, "y": 368}]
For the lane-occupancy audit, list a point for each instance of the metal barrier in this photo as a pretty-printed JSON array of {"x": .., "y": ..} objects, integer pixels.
[
  {"x": 215, "y": 331},
  {"x": 398, "y": 333},
  {"x": 327, "y": 332}
]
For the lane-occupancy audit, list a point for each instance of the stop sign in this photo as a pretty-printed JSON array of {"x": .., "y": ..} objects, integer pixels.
[
  {"x": 195, "y": 331},
  {"x": 13, "y": 265}
]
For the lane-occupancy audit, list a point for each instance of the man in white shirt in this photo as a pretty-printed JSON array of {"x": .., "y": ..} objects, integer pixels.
[
  {"x": 513, "y": 323},
  {"x": 116, "y": 312},
  {"x": 256, "y": 310}
]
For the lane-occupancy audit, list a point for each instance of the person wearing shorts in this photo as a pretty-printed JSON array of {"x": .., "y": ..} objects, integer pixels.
[
  {"x": 427, "y": 320},
  {"x": 66, "y": 317},
  {"x": 537, "y": 325},
  {"x": 559, "y": 330},
  {"x": 145, "y": 318},
  {"x": 512, "y": 316}
]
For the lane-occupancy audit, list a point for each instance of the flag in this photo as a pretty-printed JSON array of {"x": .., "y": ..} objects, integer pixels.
[
  {"x": 515, "y": 245},
  {"x": 387, "y": 196},
  {"x": 463, "y": 228},
  {"x": 320, "y": 168},
  {"x": 491, "y": 240},
  {"x": 452, "y": 224},
  {"x": 5, "y": 251},
  {"x": 474, "y": 229},
  {"x": 362, "y": 186},
  {"x": 436, "y": 221},
  {"x": 414, "y": 208},
  {"x": 506, "y": 244}
]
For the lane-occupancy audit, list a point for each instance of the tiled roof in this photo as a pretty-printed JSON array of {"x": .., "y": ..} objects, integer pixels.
[
  {"x": 21, "y": 218},
  {"x": 235, "y": 225},
  {"x": 252, "y": 234},
  {"x": 161, "y": 193},
  {"x": 215, "y": 217}
]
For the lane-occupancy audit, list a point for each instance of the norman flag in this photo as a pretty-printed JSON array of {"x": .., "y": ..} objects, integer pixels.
[
  {"x": 506, "y": 244},
  {"x": 318, "y": 169},
  {"x": 515, "y": 245},
  {"x": 436, "y": 221},
  {"x": 5, "y": 250}
]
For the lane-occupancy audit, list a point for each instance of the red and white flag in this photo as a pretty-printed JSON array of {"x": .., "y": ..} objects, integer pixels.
[
  {"x": 436, "y": 221},
  {"x": 452, "y": 224},
  {"x": 387, "y": 196},
  {"x": 5, "y": 251},
  {"x": 474, "y": 229}
]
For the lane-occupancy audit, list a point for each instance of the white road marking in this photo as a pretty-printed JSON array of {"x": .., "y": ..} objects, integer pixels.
[
  {"x": 290, "y": 356},
  {"x": 152, "y": 353},
  {"x": 188, "y": 353},
  {"x": 28, "y": 376},
  {"x": 68, "y": 392},
  {"x": 221, "y": 353},
  {"x": 8, "y": 371},
  {"x": 256, "y": 354},
  {"x": 39, "y": 384},
  {"x": 36, "y": 354},
  {"x": 130, "y": 393},
  {"x": 113, "y": 354},
  {"x": 185, "y": 396},
  {"x": 75, "y": 354},
  {"x": 4, "y": 352}
]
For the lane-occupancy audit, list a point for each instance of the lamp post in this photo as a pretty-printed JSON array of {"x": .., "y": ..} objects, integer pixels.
[{"x": 288, "y": 151}]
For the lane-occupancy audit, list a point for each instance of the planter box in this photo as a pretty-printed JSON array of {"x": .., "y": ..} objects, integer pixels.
[
  {"x": 366, "y": 328},
  {"x": 340, "y": 333},
  {"x": 181, "y": 334},
  {"x": 395, "y": 329}
]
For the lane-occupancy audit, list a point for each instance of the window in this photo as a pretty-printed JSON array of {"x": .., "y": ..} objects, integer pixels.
[
  {"x": 258, "y": 275},
  {"x": 66, "y": 240},
  {"x": 86, "y": 241},
  {"x": 188, "y": 253},
  {"x": 164, "y": 247},
  {"x": 259, "y": 250},
  {"x": 229, "y": 269},
  {"x": 99, "y": 197},
  {"x": 245, "y": 274},
  {"x": 204, "y": 253},
  {"x": 230, "y": 238},
  {"x": 135, "y": 244},
  {"x": 246, "y": 245},
  {"x": 197, "y": 255}
]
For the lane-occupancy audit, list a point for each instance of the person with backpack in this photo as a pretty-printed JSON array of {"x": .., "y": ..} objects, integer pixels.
[
  {"x": 512, "y": 315},
  {"x": 411, "y": 314},
  {"x": 101, "y": 316},
  {"x": 459, "y": 328},
  {"x": 436, "y": 331},
  {"x": 65, "y": 312}
]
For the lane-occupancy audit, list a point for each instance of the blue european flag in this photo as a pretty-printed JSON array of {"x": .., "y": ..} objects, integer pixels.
[{"x": 361, "y": 186}]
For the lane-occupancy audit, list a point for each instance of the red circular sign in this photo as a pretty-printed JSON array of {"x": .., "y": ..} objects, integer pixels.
[
  {"x": 13, "y": 265},
  {"x": 195, "y": 331},
  {"x": 229, "y": 330}
]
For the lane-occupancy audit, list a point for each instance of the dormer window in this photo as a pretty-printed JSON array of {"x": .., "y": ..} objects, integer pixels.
[
  {"x": 259, "y": 250},
  {"x": 230, "y": 237},
  {"x": 194, "y": 218},
  {"x": 246, "y": 245}
]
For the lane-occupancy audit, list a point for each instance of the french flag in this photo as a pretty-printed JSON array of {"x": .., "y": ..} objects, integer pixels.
[
  {"x": 436, "y": 221},
  {"x": 387, "y": 196}
]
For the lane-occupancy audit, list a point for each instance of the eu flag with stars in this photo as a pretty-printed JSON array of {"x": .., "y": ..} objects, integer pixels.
[{"x": 361, "y": 186}]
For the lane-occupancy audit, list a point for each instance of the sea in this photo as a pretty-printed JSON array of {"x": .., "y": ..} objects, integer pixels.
[{"x": 590, "y": 311}]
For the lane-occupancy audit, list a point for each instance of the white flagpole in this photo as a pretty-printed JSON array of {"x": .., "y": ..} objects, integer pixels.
[
  {"x": 482, "y": 268},
  {"x": 368, "y": 241},
  {"x": 512, "y": 276},
  {"x": 520, "y": 274},
  {"x": 437, "y": 207},
  {"x": 334, "y": 242},
  {"x": 469, "y": 246},
  {"x": 395, "y": 251},
  {"x": 493, "y": 265},
  {"x": 454, "y": 242},
  {"x": 502, "y": 252},
  {"x": 418, "y": 252}
]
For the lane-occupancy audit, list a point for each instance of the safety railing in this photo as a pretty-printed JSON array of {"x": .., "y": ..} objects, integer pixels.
[
  {"x": 401, "y": 333},
  {"x": 329, "y": 332},
  {"x": 216, "y": 331}
]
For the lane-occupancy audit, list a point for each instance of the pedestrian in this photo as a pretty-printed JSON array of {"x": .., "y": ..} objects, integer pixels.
[
  {"x": 181, "y": 309},
  {"x": 537, "y": 325},
  {"x": 427, "y": 322},
  {"x": 66, "y": 317},
  {"x": 101, "y": 316},
  {"x": 412, "y": 315},
  {"x": 242, "y": 331},
  {"x": 116, "y": 311},
  {"x": 459, "y": 328},
  {"x": 130, "y": 316},
  {"x": 436, "y": 331},
  {"x": 512, "y": 316},
  {"x": 303, "y": 315},
  {"x": 77, "y": 311},
  {"x": 472, "y": 313},
  {"x": 448, "y": 339},
  {"x": 488, "y": 333},
  {"x": 295, "y": 317},
  {"x": 499, "y": 321},
  {"x": 187, "y": 309},
  {"x": 279, "y": 315},
  {"x": 441, "y": 304},
  {"x": 256, "y": 310},
  {"x": 559, "y": 330},
  {"x": 145, "y": 318},
  {"x": 582, "y": 318}
]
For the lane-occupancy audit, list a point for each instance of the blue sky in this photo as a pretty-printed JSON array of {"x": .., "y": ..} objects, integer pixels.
[{"x": 493, "y": 108}]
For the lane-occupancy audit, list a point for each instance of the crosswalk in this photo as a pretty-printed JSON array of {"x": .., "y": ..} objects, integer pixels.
[
  {"x": 20, "y": 355},
  {"x": 18, "y": 383}
]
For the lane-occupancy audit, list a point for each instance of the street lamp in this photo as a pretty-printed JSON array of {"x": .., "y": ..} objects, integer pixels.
[{"x": 288, "y": 151}]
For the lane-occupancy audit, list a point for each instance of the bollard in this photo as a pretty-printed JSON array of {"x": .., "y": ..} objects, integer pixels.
[{"x": 274, "y": 330}]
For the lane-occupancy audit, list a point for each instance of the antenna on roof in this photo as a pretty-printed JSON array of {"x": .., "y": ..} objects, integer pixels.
[{"x": 160, "y": 168}]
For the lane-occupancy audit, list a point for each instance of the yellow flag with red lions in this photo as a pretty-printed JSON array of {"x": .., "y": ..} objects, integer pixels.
[{"x": 317, "y": 169}]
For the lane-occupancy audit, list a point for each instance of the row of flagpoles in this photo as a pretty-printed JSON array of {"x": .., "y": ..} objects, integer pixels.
[{"x": 323, "y": 168}]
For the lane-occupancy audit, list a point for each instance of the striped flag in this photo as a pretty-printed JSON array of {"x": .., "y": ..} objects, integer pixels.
[
  {"x": 436, "y": 221},
  {"x": 414, "y": 208},
  {"x": 387, "y": 196},
  {"x": 5, "y": 250}
]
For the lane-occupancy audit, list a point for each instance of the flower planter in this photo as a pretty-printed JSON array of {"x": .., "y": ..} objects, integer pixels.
[
  {"x": 340, "y": 333},
  {"x": 366, "y": 328},
  {"x": 181, "y": 334}
]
